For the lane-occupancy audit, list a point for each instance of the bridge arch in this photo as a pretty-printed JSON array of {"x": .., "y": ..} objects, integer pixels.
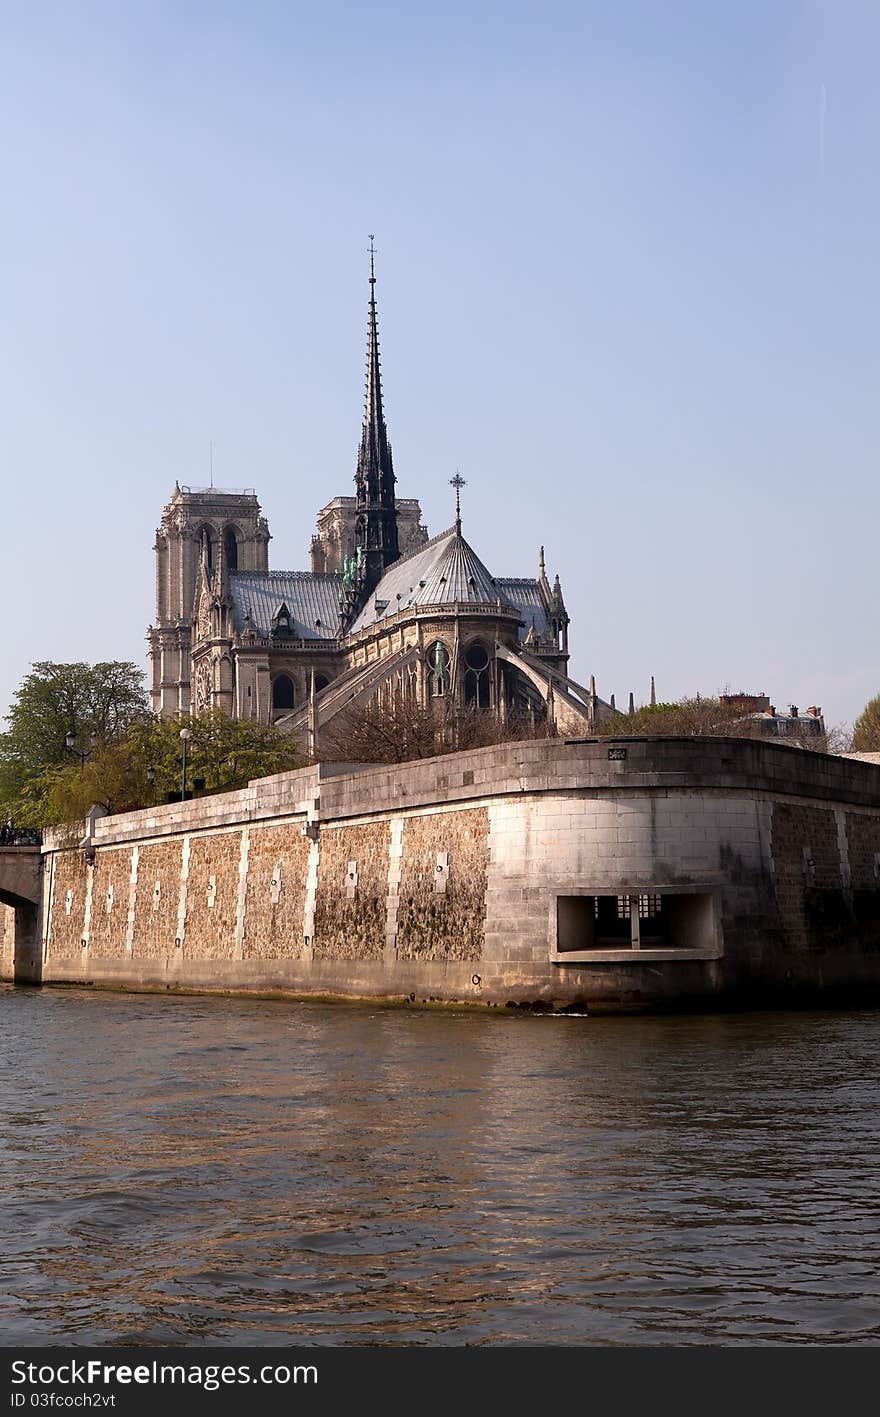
[{"x": 20, "y": 875}]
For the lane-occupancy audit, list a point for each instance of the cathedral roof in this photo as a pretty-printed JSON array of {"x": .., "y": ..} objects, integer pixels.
[
  {"x": 313, "y": 601},
  {"x": 525, "y": 594},
  {"x": 446, "y": 571}
]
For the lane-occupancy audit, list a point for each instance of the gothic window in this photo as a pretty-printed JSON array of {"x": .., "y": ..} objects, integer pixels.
[
  {"x": 437, "y": 661},
  {"x": 476, "y": 677},
  {"x": 207, "y": 547},
  {"x": 230, "y": 549},
  {"x": 282, "y": 694}
]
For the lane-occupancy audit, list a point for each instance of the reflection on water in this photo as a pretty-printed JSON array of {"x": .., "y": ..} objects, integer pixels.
[{"x": 182, "y": 1170}]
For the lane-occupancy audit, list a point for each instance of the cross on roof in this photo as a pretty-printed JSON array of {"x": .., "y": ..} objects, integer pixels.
[{"x": 457, "y": 482}]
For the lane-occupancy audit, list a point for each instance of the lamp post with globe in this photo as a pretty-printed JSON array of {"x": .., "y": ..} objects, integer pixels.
[{"x": 185, "y": 735}]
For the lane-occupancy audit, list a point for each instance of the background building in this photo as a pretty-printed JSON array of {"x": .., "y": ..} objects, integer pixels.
[{"x": 383, "y": 611}]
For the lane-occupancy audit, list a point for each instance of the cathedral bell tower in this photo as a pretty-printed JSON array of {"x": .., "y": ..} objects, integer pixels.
[
  {"x": 376, "y": 540},
  {"x": 202, "y": 527}
]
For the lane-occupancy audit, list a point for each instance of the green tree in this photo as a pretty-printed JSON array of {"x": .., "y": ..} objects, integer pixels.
[
  {"x": 866, "y": 729},
  {"x": 228, "y": 752},
  {"x": 145, "y": 765},
  {"x": 97, "y": 703}
]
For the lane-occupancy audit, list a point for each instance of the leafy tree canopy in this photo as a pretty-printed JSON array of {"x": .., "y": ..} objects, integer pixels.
[
  {"x": 95, "y": 702},
  {"x": 866, "y": 729},
  {"x": 145, "y": 764}
]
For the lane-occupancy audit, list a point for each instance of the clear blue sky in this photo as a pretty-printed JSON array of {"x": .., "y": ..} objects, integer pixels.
[{"x": 628, "y": 263}]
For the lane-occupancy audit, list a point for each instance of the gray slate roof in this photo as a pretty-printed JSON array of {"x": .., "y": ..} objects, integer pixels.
[
  {"x": 446, "y": 571},
  {"x": 308, "y": 597},
  {"x": 525, "y": 594}
]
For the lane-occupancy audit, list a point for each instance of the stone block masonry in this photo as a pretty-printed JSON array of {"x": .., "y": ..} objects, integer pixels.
[
  {"x": 212, "y": 896},
  {"x": 7, "y": 941},
  {"x": 276, "y": 869},
  {"x": 106, "y": 928},
  {"x": 350, "y": 908},
  {"x": 863, "y": 834},
  {"x": 157, "y": 900},
  {"x": 809, "y": 873},
  {"x": 442, "y": 891},
  {"x": 542, "y": 873},
  {"x": 69, "y": 883}
]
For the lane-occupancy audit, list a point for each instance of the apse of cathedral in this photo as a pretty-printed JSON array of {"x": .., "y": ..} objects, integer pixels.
[{"x": 383, "y": 611}]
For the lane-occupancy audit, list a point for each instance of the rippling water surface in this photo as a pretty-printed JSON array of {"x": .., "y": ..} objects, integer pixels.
[{"x": 190, "y": 1170}]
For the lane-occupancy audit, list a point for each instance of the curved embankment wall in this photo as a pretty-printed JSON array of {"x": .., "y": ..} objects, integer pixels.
[{"x": 605, "y": 873}]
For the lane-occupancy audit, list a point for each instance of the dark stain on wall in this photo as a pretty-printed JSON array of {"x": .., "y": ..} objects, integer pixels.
[
  {"x": 350, "y": 923},
  {"x": 274, "y": 918},
  {"x": 452, "y": 924}
]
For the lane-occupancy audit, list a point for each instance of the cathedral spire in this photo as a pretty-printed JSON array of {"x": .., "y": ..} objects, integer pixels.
[
  {"x": 376, "y": 517},
  {"x": 373, "y": 413}
]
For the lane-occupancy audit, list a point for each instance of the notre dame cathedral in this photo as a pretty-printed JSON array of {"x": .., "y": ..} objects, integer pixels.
[{"x": 383, "y": 611}]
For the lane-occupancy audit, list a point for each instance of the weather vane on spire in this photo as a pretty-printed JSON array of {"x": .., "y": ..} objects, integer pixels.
[{"x": 457, "y": 482}]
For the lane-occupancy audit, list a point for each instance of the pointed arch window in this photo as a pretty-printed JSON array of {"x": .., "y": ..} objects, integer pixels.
[
  {"x": 282, "y": 695},
  {"x": 230, "y": 549},
  {"x": 207, "y": 547},
  {"x": 476, "y": 676},
  {"x": 437, "y": 662},
  {"x": 521, "y": 697}
]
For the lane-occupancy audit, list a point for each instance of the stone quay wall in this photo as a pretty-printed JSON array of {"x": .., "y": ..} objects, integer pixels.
[{"x": 612, "y": 873}]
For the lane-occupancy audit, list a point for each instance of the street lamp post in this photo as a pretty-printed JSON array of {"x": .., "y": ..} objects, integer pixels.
[
  {"x": 70, "y": 745},
  {"x": 185, "y": 735}
]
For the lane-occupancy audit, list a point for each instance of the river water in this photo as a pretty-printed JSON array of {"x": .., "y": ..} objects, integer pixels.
[{"x": 225, "y": 1171}]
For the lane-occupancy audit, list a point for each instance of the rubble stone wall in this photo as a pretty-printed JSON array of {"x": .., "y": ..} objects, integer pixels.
[{"x": 446, "y": 879}]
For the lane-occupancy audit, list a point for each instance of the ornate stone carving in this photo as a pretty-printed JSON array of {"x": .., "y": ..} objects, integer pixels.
[{"x": 203, "y": 688}]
